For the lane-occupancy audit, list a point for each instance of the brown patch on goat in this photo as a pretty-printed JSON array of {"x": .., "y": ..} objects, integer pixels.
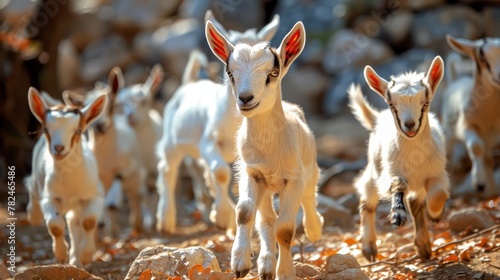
[
  {"x": 221, "y": 176},
  {"x": 244, "y": 214},
  {"x": 258, "y": 177},
  {"x": 284, "y": 236},
  {"x": 55, "y": 231},
  {"x": 437, "y": 201},
  {"x": 89, "y": 223}
]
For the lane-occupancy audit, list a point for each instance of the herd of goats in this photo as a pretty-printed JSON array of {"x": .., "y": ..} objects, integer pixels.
[{"x": 110, "y": 141}]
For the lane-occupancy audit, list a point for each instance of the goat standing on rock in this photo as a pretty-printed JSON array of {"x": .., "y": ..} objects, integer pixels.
[
  {"x": 276, "y": 153},
  {"x": 65, "y": 181},
  {"x": 406, "y": 154}
]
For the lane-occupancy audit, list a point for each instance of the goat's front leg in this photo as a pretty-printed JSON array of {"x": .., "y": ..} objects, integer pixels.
[
  {"x": 398, "y": 214},
  {"x": 54, "y": 220},
  {"x": 91, "y": 212},
  {"x": 34, "y": 210},
  {"x": 368, "y": 201},
  {"x": 290, "y": 198},
  {"x": 168, "y": 168},
  {"x": 135, "y": 191},
  {"x": 266, "y": 218},
  {"x": 75, "y": 234},
  {"x": 421, "y": 235},
  {"x": 482, "y": 178},
  {"x": 437, "y": 195},
  {"x": 113, "y": 202},
  {"x": 246, "y": 208},
  {"x": 222, "y": 213}
]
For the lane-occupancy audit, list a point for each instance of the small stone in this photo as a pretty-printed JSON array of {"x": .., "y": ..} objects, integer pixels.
[
  {"x": 303, "y": 270},
  {"x": 337, "y": 263},
  {"x": 55, "y": 271},
  {"x": 475, "y": 218}
]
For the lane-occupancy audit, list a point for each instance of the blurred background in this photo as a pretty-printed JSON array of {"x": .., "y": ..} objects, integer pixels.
[{"x": 57, "y": 45}]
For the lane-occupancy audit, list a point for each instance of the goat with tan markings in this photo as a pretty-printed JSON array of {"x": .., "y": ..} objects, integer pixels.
[
  {"x": 276, "y": 153},
  {"x": 406, "y": 155},
  {"x": 65, "y": 182}
]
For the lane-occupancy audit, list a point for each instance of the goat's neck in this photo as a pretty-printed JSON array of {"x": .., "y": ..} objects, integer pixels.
[
  {"x": 485, "y": 91},
  {"x": 274, "y": 118}
]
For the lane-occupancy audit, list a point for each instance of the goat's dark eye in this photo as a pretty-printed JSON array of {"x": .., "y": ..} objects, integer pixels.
[{"x": 275, "y": 73}]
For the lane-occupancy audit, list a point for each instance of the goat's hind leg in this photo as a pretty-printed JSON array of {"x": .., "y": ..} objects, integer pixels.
[
  {"x": 398, "y": 215},
  {"x": 312, "y": 220},
  {"x": 366, "y": 188}
]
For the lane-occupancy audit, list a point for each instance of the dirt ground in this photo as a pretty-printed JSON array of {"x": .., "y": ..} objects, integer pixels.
[{"x": 457, "y": 255}]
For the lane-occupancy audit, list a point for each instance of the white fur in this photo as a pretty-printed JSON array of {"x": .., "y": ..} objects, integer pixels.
[
  {"x": 401, "y": 159},
  {"x": 200, "y": 122},
  {"x": 276, "y": 154},
  {"x": 135, "y": 104},
  {"x": 470, "y": 110},
  {"x": 65, "y": 184}
]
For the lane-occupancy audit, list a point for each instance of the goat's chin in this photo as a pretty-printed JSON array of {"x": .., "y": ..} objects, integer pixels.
[
  {"x": 59, "y": 156},
  {"x": 409, "y": 134}
]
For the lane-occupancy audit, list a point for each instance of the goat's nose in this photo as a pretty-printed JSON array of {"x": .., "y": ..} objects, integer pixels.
[
  {"x": 409, "y": 125},
  {"x": 246, "y": 97},
  {"x": 59, "y": 148}
]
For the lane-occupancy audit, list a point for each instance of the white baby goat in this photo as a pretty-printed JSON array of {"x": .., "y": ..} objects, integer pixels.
[
  {"x": 276, "y": 153},
  {"x": 65, "y": 182},
  {"x": 135, "y": 103},
  {"x": 406, "y": 154},
  {"x": 118, "y": 155},
  {"x": 200, "y": 122},
  {"x": 470, "y": 110}
]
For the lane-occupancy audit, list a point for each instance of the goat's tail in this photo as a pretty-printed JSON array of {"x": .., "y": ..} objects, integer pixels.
[
  {"x": 362, "y": 110},
  {"x": 196, "y": 60}
]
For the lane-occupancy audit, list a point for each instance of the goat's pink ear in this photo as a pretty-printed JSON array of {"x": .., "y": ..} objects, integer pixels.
[
  {"x": 435, "y": 73},
  {"x": 95, "y": 109},
  {"x": 36, "y": 104},
  {"x": 462, "y": 46},
  {"x": 155, "y": 79},
  {"x": 376, "y": 83},
  {"x": 292, "y": 45},
  {"x": 217, "y": 42},
  {"x": 267, "y": 32},
  {"x": 115, "y": 80},
  {"x": 209, "y": 16}
]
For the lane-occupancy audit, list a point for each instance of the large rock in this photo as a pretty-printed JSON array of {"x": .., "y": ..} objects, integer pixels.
[
  {"x": 101, "y": 56},
  {"x": 171, "y": 43},
  {"x": 87, "y": 28},
  {"x": 390, "y": 27},
  {"x": 419, "y": 5},
  {"x": 171, "y": 261},
  {"x": 470, "y": 217},
  {"x": 194, "y": 8},
  {"x": 347, "y": 49},
  {"x": 343, "y": 267},
  {"x": 55, "y": 271},
  {"x": 411, "y": 60},
  {"x": 304, "y": 86},
  {"x": 15, "y": 11},
  {"x": 306, "y": 271},
  {"x": 429, "y": 29}
]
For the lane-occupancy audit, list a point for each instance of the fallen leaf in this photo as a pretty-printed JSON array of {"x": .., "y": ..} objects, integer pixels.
[
  {"x": 146, "y": 275},
  {"x": 350, "y": 241},
  {"x": 449, "y": 259},
  {"x": 464, "y": 255},
  {"x": 197, "y": 272},
  {"x": 482, "y": 242}
]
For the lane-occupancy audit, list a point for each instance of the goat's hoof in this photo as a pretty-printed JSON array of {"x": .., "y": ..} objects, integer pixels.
[
  {"x": 370, "y": 251},
  {"x": 266, "y": 276},
  {"x": 435, "y": 219},
  {"x": 424, "y": 249},
  {"x": 480, "y": 188},
  {"x": 398, "y": 217},
  {"x": 242, "y": 273}
]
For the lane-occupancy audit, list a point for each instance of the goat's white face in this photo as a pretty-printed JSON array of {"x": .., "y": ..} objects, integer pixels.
[
  {"x": 485, "y": 53},
  {"x": 63, "y": 124},
  {"x": 134, "y": 102},
  {"x": 60, "y": 128},
  {"x": 408, "y": 95},
  {"x": 255, "y": 72}
]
